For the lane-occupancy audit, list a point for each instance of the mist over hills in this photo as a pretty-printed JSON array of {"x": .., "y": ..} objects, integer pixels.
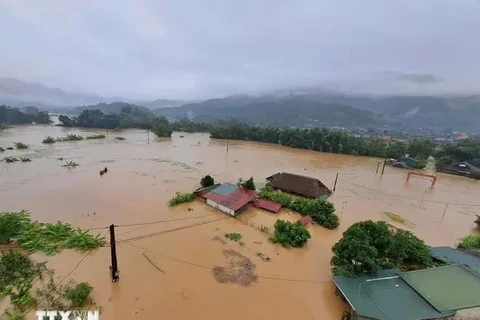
[{"x": 298, "y": 107}]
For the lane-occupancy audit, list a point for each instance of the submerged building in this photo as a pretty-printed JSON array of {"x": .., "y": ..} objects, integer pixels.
[
  {"x": 299, "y": 185},
  {"x": 229, "y": 198}
]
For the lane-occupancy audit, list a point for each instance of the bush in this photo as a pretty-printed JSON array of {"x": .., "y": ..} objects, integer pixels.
[
  {"x": 96, "y": 136},
  {"x": 12, "y": 224},
  {"x": 233, "y": 236},
  {"x": 181, "y": 197},
  {"x": 321, "y": 211},
  {"x": 21, "y": 145},
  {"x": 79, "y": 294},
  {"x": 470, "y": 242},
  {"x": 10, "y": 159},
  {"x": 207, "y": 181},
  {"x": 48, "y": 140},
  {"x": 120, "y": 138},
  {"x": 249, "y": 184},
  {"x": 367, "y": 247},
  {"x": 25, "y": 159},
  {"x": 70, "y": 137},
  {"x": 290, "y": 234}
]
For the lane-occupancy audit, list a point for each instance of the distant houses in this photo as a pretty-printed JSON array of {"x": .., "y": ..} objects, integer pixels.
[
  {"x": 435, "y": 293},
  {"x": 466, "y": 169},
  {"x": 299, "y": 185}
]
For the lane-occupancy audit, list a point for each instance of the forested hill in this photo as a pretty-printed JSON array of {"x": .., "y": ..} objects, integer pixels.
[
  {"x": 280, "y": 112},
  {"x": 114, "y": 107},
  {"x": 305, "y": 110}
]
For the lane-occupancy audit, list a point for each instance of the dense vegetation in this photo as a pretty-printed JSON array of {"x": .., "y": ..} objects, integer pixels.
[
  {"x": 96, "y": 136},
  {"x": 246, "y": 184},
  {"x": 181, "y": 197},
  {"x": 465, "y": 150},
  {"x": 16, "y": 116},
  {"x": 367, "y": 247},
  {"x": 471, "y": 241},
  {"x": 290, "y": 234},
  {"x": 45, "y": 237},
  {"x": 321, "y": 211},
  {"x": 207, "y": 181}
]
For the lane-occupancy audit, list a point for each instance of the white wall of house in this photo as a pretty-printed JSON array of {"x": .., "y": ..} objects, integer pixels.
[{"x": 220, "y": 207}]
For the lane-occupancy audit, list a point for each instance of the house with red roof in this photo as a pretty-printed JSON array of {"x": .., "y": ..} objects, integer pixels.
[{"x": 229, "y": 198}]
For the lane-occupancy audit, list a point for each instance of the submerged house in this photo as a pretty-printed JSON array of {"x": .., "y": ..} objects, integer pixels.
[
  {"x": 299, "y": 185},
  {"x": 466, "y": 169},
  {"x": 229, "y": 198}
]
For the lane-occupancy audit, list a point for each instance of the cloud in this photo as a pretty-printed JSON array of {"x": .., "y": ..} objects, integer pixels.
[{"x": 190, "y": 49}]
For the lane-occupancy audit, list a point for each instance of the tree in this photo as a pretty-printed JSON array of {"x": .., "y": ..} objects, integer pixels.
[
  {"x": 249, "y": 184},
  {"x": 290, "y": 234},
  {"x": 161, "y": 127},
  {"x": 207, "y": 181},
  {"x": 367, "y": 246}
]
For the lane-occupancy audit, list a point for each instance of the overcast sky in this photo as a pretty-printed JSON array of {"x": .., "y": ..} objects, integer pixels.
[{"x": 203, "y": 48}]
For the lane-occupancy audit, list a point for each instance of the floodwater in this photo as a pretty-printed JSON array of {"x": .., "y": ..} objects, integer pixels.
[{"x": 177, "y": 280}]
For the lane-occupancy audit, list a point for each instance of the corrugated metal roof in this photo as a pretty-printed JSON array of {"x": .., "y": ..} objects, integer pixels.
[
  {"x": 385, "y": 296},
  {"x": 234, "y": 200},
  {"x": 225, "y": 189},
  {"x": 268, "y": 205},
  {"x": 447, "y": 288},
  {"x": 452, "y": 255},
  {"x": 301, "y": 185}
]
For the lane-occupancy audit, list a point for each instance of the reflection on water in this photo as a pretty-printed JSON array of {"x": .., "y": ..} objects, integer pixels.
[{"x": 142, "y": 176}]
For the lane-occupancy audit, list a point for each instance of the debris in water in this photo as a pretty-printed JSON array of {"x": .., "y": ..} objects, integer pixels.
[
  {"x": 153, "y": 264},
  {"x": 264, "y": 257},
  {"x": 240, "y": 270},
  {"x": 219, "y": 239}
]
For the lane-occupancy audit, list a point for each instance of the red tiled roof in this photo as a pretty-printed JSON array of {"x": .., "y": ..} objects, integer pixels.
[
  {"x": 268, "y": 205},
  {"x": 306, "y": 220},
  {"x": 234, "y": 200}
]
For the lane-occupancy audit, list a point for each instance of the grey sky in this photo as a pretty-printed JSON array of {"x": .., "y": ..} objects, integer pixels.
[{"x": 198, "y": 49}]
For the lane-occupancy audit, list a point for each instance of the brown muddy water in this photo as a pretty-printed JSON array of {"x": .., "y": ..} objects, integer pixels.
[{"x": 178, "y": 279}]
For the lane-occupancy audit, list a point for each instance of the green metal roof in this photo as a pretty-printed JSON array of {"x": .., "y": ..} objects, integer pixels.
[
  {"x": 225, "y": 189},
  {"x": 455, "y": 256},
  {"x": 386, "y": 297},
  {"x": 447, "y": 288}
]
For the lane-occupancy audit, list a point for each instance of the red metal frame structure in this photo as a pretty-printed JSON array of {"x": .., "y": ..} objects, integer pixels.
[{"x": 433, "y": 177}]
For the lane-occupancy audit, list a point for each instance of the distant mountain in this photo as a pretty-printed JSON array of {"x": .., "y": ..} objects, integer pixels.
[
  {"x": 322, "y": 108},
  {"x": 17, "y": 93},
  {"x": 163, "y": 103}
]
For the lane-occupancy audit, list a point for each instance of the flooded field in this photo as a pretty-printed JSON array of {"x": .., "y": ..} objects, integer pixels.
[{"x": 186, "y": 268}]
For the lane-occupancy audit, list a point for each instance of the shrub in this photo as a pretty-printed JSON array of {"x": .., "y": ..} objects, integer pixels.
[
  {"x": 26, "y": 159},
  {"x": 207, "y": 181},
  {"x": 290, "y": 234},
  {"x": 2, "y": 149},
  {"x": 79, "y": 294},
  {"x": 48, "y": 140},
  {"x": 96, "y": 136},
  {"x": 368, "y": 246},
  {"x": 10, "y": 159},
  {"x": 233, "y": 236},
  {"x": 70, "y": 137},
  {"x": 12, "y": 224},
  {"x": 249, "y": 184},
  {"x": 470, "y": 242},
  {"x": 120, "y": 138},
  {"x": 21, "y": 145},
  {"x": 181, "y": 197}
]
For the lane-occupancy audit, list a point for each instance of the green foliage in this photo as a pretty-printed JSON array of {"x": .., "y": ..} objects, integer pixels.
[
  {"x": 25, "y": 159},
  {"x": 290, "y": 234},
  {"x": 48, "y": 139},
  {"x": 181, "y": 197},
  {"x": 442, "y": 162},
  {"x": 96, "y": 136},
  {"x": 420, "y": 163},
  {"x": 249, "y": 184},
  {"x": 471, "y": 241},
  {"x": 161, "y": 127},
  {"x": 367, "y": 247},
  {"x": 21, "y": 145},
  {"x": 207, "y": 181},
  {"x": 79, "y": 294},
  {"x": 15, "y": 116},
  {"x": 12, "y": 223},
  {"x": 10, "y": 159},
  {"x": 8, "y": 315},
  {"x": 321, "y": 211},
  {"x": 70, "y": 137},
  {"x": 233, "y": 236},
  {"x": 120, "y": 138}
]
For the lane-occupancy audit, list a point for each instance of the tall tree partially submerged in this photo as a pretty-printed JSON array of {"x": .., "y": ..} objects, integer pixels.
[{"x": 367, "y": 247}]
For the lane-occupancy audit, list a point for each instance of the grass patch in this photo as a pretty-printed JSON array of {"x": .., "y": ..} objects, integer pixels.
[
  {"x": 120, "y": 138},
  {"x": 21, "y": 145},
  {"x": 181, "y": 197},
  {"x": 96, "y": 136},
  {"x": 70, "y": 137},
  {"x": 25, "y": 159},
  {"x": 470, "y": 242},
  {"x": 233, "y": 236},
  {"x": 48, "y": 140}
]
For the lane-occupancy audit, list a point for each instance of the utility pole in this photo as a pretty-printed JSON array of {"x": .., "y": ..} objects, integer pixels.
[
  {"x": 114, "y": 267},
  {"x": 386, "y": 155},
  {"x": 148, "y": 136},
  {"x": 227, "y": 146},
  {"x": 335, "y": 184}
]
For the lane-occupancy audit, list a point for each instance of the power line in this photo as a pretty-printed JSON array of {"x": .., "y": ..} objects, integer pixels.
[
  {"x": 211, "y": 268},
  {"x": 162, "y": 221},
  {"x": 122, "y": 241}
]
